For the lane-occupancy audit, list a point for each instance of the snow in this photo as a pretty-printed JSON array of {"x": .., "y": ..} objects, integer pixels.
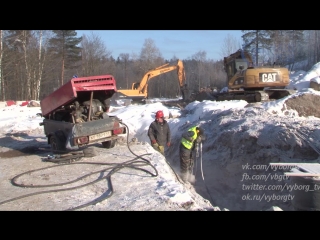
[
  {"x": 19, "y": 119},
  {"x": 262, "y": 117},
  {"x": 301, "y": 80}
]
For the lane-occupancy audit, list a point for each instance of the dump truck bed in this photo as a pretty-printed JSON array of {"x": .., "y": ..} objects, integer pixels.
[{"x": 69, "y": 91}]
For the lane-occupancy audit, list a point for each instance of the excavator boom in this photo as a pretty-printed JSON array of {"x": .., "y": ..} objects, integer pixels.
[
  {"x": 181, "y": 73},
  {"x": 139, "y": 90}
]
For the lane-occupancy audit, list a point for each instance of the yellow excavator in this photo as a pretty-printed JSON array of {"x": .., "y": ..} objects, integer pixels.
[
  {"x": 249, "y": 83},
  {"x": 253, "y": 84},
  {"x": 139, "y": 90}
]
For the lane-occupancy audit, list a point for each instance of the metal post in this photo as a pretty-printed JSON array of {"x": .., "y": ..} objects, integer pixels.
[{"x": 89, "y": 115}]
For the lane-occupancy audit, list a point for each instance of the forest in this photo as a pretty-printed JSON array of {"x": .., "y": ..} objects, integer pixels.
[{"x": 33, "y": 63}]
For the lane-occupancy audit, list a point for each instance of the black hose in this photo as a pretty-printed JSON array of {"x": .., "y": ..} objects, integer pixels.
[
  {"x": 133, "y": 164},
  {"x": 178, "y": 178}
]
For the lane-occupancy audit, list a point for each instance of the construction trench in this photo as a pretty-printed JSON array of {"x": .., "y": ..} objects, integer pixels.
[{"x": 233, "y": 148}]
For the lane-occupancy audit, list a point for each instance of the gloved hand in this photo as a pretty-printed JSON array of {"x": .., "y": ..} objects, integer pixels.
[
  {"x": 153, "y": 141},
  {"x": 197, "y": 154},
  {"x": 203, "y": 137},
  {"x": 168, "y": 144}
]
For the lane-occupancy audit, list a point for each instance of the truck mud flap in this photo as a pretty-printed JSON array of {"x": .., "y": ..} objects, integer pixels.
[{"x": 92, "y": 127}]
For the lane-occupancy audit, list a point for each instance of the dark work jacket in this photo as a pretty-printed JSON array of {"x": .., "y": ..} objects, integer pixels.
[{"x": 159, "y": 132}]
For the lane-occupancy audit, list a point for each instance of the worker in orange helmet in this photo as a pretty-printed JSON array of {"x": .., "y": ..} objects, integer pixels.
[{"x": 159, "y": 133}]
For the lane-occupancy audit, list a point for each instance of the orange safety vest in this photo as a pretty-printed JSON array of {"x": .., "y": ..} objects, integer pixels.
[{"x": 187, "y": 143}]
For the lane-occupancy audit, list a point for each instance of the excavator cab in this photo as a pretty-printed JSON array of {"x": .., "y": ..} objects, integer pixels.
[
  {"x": 234, "y": 67},
  {"x": 135, "y": 85},
  {"x": 241, "y": 64},
  {"x": 234, "y": 61}
]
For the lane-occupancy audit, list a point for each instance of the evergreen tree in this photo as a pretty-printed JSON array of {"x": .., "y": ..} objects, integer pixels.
[
  {"x": 255, "y": 40},
  {"x": 64, "y": 47}
]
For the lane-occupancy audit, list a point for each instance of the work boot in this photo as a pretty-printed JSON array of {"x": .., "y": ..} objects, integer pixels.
[
  {"x": 192, "y": 178},
  {"x": 185, "y": 176}
]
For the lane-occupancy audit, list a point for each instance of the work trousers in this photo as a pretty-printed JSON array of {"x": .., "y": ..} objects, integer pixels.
[{"x": 186, "y": 162}]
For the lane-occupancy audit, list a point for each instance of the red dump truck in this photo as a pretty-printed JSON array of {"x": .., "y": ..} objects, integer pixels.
[{"x": 76, "y": 114}]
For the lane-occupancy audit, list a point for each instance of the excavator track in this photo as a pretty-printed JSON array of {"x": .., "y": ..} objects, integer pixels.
[
  {"x": 249, "y": 96},
  {"x": 276, "y": 94},
  {"x": 255, "y": 96}
]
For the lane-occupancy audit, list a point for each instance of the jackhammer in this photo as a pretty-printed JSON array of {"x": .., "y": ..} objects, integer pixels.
[{"x": 198, "y": 149}]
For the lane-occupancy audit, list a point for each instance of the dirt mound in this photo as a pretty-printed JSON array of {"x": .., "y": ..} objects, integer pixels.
[
  {"x": 204, "y": 96},
  {"x": 179, "y": 103},
  {"x": 34, "y": 104},
  {"x": 306, "y": 105}
]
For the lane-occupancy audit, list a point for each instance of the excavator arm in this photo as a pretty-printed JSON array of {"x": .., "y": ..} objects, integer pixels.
[
  {"x": 143, "y": 85},
  {"x": 139, "y": 90}
]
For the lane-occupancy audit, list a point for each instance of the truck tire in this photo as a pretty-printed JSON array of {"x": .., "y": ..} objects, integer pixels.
[
  {"x": 109, "y": 144},
  {"x": 57, "y": 142}
]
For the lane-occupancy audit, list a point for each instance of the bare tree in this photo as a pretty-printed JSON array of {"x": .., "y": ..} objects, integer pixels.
[
  {"x": 32, "y": 45},
  {"x": 24, "y": 63},
  {"x": 149, "y": 54},
  {"x": 1, "y": 55},
  {"x": 43, "y": 37},
  {"x": 230, "y": 45},
  {"x": 200, "y": 58},
  {"x": 125, "y": 57},
  {"x": 94, "y": 53},
  {"x": 150, "y": 58},
  {"x": 22, "y": 39}
]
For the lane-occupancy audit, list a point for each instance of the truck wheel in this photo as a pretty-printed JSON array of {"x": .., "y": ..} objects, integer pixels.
[
  {"x": 109, "y": 144},
  {"x": 57, "y": 143}
]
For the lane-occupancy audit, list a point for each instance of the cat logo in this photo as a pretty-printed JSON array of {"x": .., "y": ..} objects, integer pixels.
[{"x": 268, "y": 77}]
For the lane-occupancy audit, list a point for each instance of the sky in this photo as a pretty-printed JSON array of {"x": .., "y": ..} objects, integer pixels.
[
  {"x": 179, "y": 43},
  {"x": 215, "y": 117}
]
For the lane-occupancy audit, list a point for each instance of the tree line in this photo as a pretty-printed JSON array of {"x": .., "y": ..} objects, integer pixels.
[{"x": 33, "y": 63}]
